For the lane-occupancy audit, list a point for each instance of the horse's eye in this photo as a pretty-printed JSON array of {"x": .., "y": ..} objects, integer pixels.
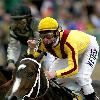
[{"x": 30, "y": 74}]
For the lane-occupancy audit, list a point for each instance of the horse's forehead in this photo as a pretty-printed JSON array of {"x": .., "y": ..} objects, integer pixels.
[{"x": 22, "y": 66}]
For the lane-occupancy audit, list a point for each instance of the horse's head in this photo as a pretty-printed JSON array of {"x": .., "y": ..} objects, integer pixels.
[{"x": 26, "y": 75}]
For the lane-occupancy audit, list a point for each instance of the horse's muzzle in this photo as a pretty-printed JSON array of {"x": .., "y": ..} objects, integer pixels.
[{"x": 12, "y": 98}]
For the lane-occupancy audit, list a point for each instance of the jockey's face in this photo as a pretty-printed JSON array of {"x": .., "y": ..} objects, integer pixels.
[
  {"x": 20, "y": 24},
  {"x": 47, "y": 37}
]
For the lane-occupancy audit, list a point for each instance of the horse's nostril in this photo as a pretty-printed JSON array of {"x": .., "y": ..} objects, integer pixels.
[{"x": 13, "y": 98}]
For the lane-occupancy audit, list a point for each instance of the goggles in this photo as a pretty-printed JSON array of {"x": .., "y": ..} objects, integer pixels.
[{"x": 48, "y": 35}]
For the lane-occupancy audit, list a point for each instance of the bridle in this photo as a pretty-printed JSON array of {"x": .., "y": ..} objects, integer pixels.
[{"x": 36, "y": 81}]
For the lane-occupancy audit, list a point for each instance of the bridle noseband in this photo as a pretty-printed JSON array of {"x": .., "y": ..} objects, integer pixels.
[{"x": 36, "y": 81}]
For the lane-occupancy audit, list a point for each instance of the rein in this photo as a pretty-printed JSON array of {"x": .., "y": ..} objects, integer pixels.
[{"x": 36, "y": 81}]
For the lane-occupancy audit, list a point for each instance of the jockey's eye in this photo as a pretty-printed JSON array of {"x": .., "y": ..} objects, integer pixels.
[{"x": 19, "y": 22}]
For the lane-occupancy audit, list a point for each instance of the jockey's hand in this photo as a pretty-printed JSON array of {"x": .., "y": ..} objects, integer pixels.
[
  {"x": 50, "y": 74},
  {"x": 11, "y": 66},
  {"x": 31, "y": 44}
]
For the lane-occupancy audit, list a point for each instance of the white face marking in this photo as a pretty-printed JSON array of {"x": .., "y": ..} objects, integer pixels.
[
  {"x": 16, "y": 85},
  {"x": 22, "y": 66},
  {"x": 18, "y": 80}
]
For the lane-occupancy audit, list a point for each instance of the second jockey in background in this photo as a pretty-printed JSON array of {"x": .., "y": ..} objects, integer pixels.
[{"x": 23, "y": 27}]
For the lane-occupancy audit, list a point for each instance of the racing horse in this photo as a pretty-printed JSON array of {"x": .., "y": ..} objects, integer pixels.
[{"x": 31, "y": 83}]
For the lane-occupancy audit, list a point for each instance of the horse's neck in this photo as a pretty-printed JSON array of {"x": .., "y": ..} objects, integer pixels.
[{"x": 43, "y": 85}]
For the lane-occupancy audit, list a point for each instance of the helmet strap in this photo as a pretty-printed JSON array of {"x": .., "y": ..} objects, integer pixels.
[{"x": 57, "y": 31}]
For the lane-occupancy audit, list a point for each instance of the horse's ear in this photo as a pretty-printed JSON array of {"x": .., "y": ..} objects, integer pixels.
[{"x": 42, "y": 55}]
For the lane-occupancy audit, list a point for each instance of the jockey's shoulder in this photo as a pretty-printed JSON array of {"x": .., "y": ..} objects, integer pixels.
[{"x": 35, "y": 22}]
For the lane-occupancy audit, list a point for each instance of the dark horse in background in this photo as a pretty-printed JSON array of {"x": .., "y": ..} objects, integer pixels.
[
  {"x": 6, "y": 82},
  {"x": 31, "y": 84}
]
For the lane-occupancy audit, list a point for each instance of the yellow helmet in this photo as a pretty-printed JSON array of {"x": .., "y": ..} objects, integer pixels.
[{"x": 47, "y": 23}]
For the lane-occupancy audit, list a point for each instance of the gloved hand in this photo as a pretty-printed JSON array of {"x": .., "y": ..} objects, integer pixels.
[
  {"x": 50, "y": 74},
  {"x": 11, "y": 66},
  {"x": 31, "y": 44}
]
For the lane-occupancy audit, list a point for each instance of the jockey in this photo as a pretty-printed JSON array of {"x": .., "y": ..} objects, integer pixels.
[
  {"x": 67, "y": 46},
  {"x": 22, "y": 28}
]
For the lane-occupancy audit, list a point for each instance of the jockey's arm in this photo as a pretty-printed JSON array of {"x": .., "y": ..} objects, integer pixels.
[
  {"x": 13, "y": 50},
  {"x": 36, "y": 51},
  {"x": 72, "y": 67}
]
